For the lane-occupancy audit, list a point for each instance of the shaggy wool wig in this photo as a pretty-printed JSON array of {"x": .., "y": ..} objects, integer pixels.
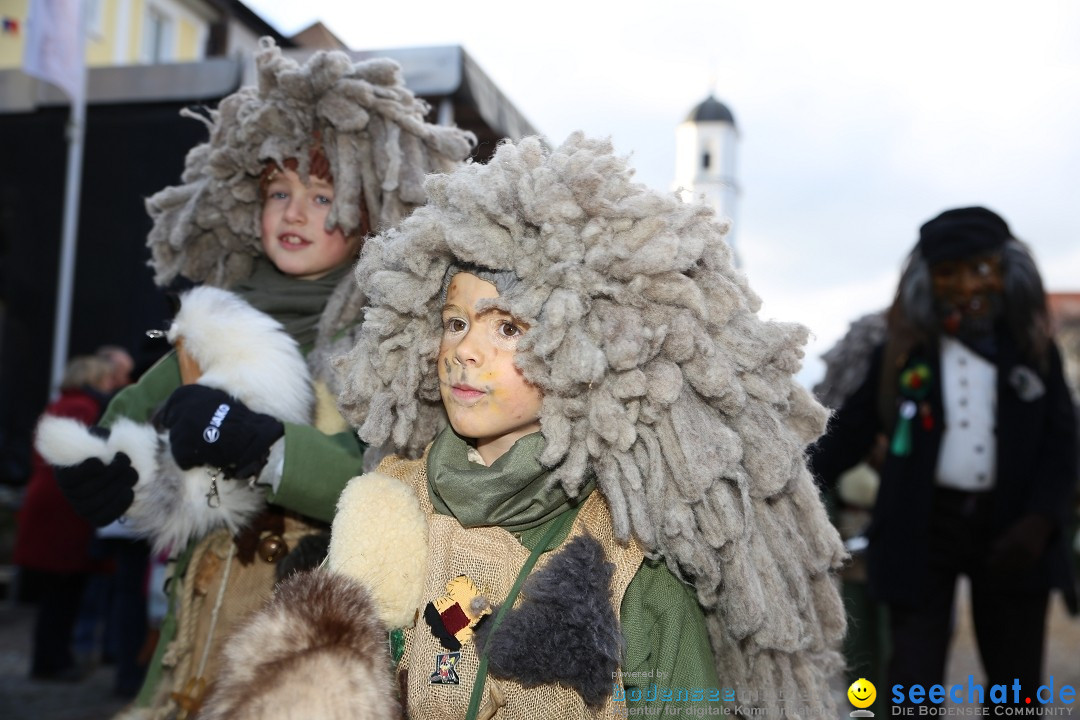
[
  {"x": 361, "y": 116},
  {"x": 658, "y": 379}
]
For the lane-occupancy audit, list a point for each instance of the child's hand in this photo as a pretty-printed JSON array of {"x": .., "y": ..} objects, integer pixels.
[{"x": 210, "y": 427}]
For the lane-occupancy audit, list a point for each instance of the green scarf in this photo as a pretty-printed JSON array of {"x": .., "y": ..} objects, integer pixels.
[
  {"x": 296, "y": 304},
  {"x": 513, "y": 493}
]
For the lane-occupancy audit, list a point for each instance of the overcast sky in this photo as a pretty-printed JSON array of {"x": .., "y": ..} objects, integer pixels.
[{"x": 858, "y": 121}]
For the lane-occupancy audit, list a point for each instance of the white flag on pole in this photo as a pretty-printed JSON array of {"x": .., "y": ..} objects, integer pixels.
[{"x": 55, "y": 48}]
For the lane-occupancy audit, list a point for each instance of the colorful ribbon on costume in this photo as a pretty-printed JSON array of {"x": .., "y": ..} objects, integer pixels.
[{"x": 914, "y": 387}]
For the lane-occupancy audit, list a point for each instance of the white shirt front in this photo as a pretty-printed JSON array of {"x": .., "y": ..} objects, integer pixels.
[{"x": 968, "y": 455}]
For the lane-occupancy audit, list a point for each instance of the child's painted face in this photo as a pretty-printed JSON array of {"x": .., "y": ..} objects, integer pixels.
[
  {"x": 485, "y": 395},
  {"x": 294, "y": 234}
]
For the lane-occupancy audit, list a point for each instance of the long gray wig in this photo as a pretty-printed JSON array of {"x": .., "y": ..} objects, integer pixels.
[
  {"x": 1025, "y": 312},
  {"x": 658, "y": 378},
  {"x": 369, "y": 126}
]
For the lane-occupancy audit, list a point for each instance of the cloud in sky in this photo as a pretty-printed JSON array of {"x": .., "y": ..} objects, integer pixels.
[{"x": 858, "y": 121}]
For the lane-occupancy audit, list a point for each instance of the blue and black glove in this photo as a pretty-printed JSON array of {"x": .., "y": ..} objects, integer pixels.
[
  {"x": 98, "y": 491},
  {"x": 209, "y": 427}
]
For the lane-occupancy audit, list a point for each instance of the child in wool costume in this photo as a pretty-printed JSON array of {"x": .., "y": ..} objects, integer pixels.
[
  {"x": 569, "y": 364},
  {"x": 274, "y": 207}
]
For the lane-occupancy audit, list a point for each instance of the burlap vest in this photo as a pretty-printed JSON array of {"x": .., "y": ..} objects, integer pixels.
[
  {"x": 491, "y": 557},
  {"x": 215, "y": 594}
]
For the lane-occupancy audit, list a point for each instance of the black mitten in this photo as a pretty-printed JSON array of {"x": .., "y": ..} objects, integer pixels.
[
  {"x": 99, "y": 492},
  {"x": 208, "y": 426}
]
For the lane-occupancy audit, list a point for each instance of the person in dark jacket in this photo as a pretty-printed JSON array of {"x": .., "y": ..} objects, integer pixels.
[{"x": 982, "y": 460}]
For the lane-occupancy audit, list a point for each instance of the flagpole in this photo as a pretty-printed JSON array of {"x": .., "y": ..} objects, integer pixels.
[
  {"x": 66, "y": 278},
  {"x": 55, "y": 52}
]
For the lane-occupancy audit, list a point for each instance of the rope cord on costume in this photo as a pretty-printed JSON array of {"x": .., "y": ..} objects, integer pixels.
[
  {"x": 217, "y": 607},
  {"x": 557, "y": 526},
  {"x": 186, "y": 609}
]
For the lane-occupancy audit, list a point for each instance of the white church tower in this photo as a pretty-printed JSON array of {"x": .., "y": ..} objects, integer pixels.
[{"x": 705, "y": 159}]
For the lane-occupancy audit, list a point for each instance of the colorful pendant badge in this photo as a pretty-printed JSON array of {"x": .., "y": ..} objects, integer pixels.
[
  {"x": 452, "y": 619},
  {"x": 914, "y": 388},
  {"x": 446, "y": 669},
  {"x": 453, "y": 616}
]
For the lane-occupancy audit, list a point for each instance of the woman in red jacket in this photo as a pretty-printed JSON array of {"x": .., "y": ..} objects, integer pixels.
[{"x": 52, "y": 544}]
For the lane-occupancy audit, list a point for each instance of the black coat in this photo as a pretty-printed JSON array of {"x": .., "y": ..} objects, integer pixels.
[{"x": 1036, "y": 472}]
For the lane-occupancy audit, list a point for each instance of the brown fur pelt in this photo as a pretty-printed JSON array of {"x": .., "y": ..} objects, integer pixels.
[
  {"x": 370, "y": 128},
  {"x": 658, "y": 377},
  {"x": 316, "y": 650}
]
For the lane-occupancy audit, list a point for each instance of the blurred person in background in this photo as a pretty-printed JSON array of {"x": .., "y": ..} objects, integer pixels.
[
  {"x": 121, "y": 363},
  {"x": 981, "y": 466},
  {"x": 53, "y": 542},
  {"x": 112, "y": 625}
]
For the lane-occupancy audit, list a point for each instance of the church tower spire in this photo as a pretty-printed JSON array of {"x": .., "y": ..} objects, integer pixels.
[{"x": 705, "y": 145}]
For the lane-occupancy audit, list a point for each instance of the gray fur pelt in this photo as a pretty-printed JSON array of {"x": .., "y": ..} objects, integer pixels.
[
  {"x": 565, "y": 630},
  {"x": 658, "y": 377},
  {"x": 239, "y": 350},
  {"x": 371, "y": 129},
  {"x": 316, "y": 650},
  {"x": 848, "y": 361}
]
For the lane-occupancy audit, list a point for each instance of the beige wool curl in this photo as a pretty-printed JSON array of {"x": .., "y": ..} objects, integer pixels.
[
  {"x": 657, "y": 374},
  {"x": 371, "y": 129}
]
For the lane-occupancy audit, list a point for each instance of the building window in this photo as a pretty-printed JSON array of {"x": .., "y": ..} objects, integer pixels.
[
  {"x": 706, "y": 160},
  {"x": 158, "y": 36}
]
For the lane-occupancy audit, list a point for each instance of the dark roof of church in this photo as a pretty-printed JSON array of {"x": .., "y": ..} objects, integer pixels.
[{"x": 711, "y": 110}]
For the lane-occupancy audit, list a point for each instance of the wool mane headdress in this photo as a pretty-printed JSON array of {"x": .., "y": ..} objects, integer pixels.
[
  {"x": 658, "y": 377},
  {"x": 367, "y": 124}
]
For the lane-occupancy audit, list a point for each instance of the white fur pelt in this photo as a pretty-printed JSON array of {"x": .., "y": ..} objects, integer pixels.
[
  {"x": 379, "y": 537},
  {"x": 240, "y": 350},
  {"x": 316, "y": 650}
]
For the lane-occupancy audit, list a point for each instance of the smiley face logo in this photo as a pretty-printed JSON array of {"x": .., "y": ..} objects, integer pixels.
[{"x": 862, "y": 693}]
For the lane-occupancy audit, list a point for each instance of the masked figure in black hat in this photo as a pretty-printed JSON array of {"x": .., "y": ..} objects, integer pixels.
[{"x": 982, "y": 459}]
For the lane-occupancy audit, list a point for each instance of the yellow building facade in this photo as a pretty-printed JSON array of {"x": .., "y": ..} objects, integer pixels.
[{"x": 122, "y": 32}]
